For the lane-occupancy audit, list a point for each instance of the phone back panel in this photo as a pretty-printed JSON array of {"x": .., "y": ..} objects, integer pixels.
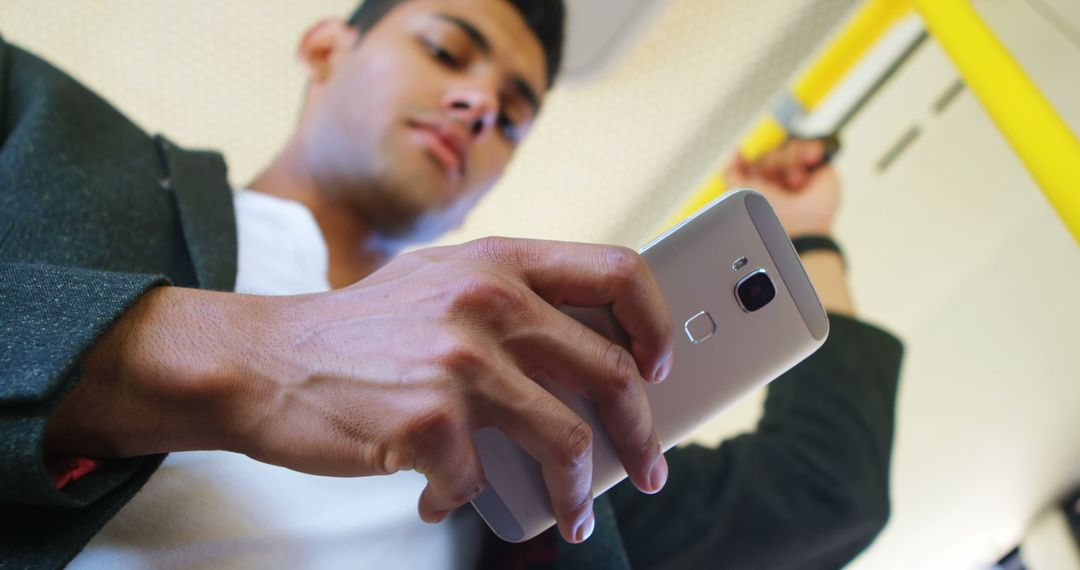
[{"x": 722, "y": 352}]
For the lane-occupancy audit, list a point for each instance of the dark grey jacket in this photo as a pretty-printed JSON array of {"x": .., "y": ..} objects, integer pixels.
[{"x": 93, "y": 212}]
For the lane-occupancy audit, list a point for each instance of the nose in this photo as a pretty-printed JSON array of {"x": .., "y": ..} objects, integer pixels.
[{"x": 476, "y": 107}]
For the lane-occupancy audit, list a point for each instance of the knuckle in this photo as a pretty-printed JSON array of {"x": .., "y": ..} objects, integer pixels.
[
  {"x": 623, "y": 264},
  {"x": 487, "y": 293},
  {"x": 506, "y": 252},
  {"x": 461, "y": 358},
  {"x": 435, "y": 427},
  {"x": 396, "y": 458},
  {"x": 493, "y": 249},
  {"x": 430, "y": 437},
  {"x": 622, "y": 366},
  {"x": 577, "y": 503},
  {"x": 477, "y": 286},
  {"x": 577, "y": 446},
  {"x": 648, "y": 445},
  {"x": 583, "y": 504}
]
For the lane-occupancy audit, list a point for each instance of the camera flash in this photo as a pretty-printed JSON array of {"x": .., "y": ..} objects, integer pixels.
[{"x": 739, "y": 264}]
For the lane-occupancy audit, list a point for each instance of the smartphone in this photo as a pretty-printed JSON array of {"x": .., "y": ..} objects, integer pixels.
[{"x": 744, "y": 312}]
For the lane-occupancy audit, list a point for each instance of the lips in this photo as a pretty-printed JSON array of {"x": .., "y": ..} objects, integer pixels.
[{"x": 446, "y": 142}]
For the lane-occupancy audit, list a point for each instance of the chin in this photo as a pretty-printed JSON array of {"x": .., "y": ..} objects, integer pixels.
[
  {"x": 399, "y": 215},
  {"x": 421, "y": 194},
  {"x": 416, "y": 222},
  {"x": 412, "y": 200},
  {"x": 423, "y": 230}
]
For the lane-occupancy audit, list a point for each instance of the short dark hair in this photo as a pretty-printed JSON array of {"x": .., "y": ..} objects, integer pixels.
[{"x": 544, "y": 17}]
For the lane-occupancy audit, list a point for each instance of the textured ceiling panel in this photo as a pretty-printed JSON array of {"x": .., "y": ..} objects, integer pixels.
[
  {"x": 606, "y": 162},
  {"x": 222, "y": 75}
]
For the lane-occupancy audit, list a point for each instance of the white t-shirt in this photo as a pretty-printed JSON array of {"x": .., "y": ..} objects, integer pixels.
[{"x": 213, "y": 509}]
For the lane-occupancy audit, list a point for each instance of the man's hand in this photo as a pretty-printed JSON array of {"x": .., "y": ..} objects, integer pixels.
[
  {"x": 395, "y": 372},
  {"x": 804, "y": 192}
]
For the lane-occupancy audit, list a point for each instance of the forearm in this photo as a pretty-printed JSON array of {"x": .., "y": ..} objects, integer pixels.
[
  {"x": 837, "y": 407},
  {"x": 163, "y": 378}
]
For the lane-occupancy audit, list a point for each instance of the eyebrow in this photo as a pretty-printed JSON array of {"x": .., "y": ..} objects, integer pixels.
[{"x": 482, "y": 43}]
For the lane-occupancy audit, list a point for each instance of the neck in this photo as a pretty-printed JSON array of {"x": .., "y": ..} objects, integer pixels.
[{"x": 350, "y": 243}]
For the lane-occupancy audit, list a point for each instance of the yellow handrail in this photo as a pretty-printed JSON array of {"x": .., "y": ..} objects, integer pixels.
[
  {"x": 841, "y": 54},
  {"x": 866, "y": 28},
  {"x": 1029, "y": 123}
]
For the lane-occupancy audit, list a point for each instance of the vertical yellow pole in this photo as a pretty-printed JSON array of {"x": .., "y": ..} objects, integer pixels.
[{"x": 1036, "y": 132}]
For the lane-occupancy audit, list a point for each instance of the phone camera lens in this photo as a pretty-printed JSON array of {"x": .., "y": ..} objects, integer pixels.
[{"x": 755, "y": 291}]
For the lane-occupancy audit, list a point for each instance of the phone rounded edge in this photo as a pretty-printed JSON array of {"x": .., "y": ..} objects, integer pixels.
[
  {"x": 786, "y": 260},
  {"x": 498, "y": 517}
]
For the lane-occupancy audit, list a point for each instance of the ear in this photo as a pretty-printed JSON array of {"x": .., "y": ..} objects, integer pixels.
[{"x": 322, "y": 46}]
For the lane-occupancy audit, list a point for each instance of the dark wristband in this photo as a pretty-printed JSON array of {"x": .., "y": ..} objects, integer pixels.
[{"x": 804, "y": 244}]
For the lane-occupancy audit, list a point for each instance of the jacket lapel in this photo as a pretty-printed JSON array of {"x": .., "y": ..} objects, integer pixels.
[{"x": 203, "y": 196}]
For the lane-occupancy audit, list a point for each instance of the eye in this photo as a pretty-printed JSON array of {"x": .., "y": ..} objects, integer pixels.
[
  {"x": 443, "y": 55},
  {"x": 508, "y": 128}
]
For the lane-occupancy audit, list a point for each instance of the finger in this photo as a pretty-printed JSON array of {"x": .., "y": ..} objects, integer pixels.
[
  {"x": 753, "y": 171},
  {"x": 602, "y": 371},
  {"x": 587, "y": 275},
  {"x": 790, "y": 164},
  {"x": 740, "y": 164},
  {"x": 732, "y": 178},
  {"x": 792, "y": 168},
  {"x": 553, "y": 435},
  {"x": 455, "y": 476},
  {"x": 735, "y": 175},
  {"x": 813, "y": 152},
  {"x": 771, "y": 165}
]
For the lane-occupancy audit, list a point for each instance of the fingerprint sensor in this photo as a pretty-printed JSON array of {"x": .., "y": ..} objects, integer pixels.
[{"x": 700, "y": 327}]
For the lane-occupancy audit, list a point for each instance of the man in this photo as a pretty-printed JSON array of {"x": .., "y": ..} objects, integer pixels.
[{"x": 411, "y": 114}]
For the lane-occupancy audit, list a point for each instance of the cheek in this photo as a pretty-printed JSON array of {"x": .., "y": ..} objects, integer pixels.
[
  {"x": 365, "y": 99},
  {"x": 392, "y": 78},
  {"x": 382, "y": 93},
  {"x": 353, "y": 121}
]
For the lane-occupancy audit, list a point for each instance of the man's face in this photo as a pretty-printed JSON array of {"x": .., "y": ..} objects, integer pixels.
[{"x": 413, "y": 124}]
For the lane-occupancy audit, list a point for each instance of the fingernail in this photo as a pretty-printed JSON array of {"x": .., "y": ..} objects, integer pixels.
[
  {"x": 662, "y": 369},
  {"x": 658, "y": 475},
  {"x": 437, "y": 517},
  {"x": 585, "y": 528}
]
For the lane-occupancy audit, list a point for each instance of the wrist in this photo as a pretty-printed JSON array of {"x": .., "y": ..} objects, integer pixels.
[
  {"x": 209, "y": 377},
  {"x": 161, "y": 379},
  {"x": 809, "y": 243},
  {"x": 826, "y": 271},
  {"x": 811, "y": 231}
]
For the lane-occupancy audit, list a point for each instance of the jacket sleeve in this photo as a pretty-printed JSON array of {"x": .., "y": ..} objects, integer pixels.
[
  {"x": 67, "y": 159},
  {"x": 49, "y": 316},
  {"x": 5, "y": 63},
  {"x": 807, "y": 489}
]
